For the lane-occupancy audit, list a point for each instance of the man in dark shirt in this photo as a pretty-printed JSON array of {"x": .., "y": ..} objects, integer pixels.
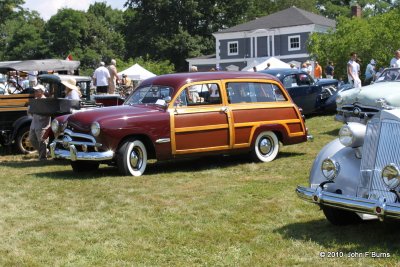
[{"x": 329, "y": 70}]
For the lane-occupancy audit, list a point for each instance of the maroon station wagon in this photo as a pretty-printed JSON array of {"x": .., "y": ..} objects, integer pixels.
[{"x": 180, "y": 115}]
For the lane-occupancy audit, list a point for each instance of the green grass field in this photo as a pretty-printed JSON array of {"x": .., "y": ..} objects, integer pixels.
[{"x": 216, "y": 211}]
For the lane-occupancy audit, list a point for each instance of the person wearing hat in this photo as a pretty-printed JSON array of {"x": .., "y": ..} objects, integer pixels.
[
  {"x": 126, "y": 81},
  {"x": 370, "y": 72},
  {"x": 72, "y": 91},
  {"x": 39, "y": 126},
  {"x": 309, "y": 67}
]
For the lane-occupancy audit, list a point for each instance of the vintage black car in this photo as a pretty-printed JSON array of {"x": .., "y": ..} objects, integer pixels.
[{"x": 309, "y": 94}]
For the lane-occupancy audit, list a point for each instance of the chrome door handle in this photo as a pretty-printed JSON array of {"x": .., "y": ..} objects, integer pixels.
[{"x": 224, "y": 109}]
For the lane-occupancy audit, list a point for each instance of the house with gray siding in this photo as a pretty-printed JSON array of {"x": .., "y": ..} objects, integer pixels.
[{"x": 282, "y": 35}]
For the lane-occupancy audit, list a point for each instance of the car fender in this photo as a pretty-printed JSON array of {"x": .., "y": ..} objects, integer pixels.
[
  {"x": 20, "y": 122},
  {"x": 347, "y": 179},
  {"x": 278, "y": 129}
]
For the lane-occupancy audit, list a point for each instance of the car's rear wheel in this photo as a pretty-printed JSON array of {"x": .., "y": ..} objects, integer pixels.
[
  {"x": 84, "y": 166},
  {"x": 132, "y": 158},
  {"x": 22, "y": 143},
  {"x": 266, "y": 147},
  {"x": 340, "y": 217}
]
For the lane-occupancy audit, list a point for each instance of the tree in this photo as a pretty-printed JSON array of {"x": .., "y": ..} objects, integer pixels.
[
  {"x": 9, "y": 8},
  {"x": 357, "y": 35},
  {"x": 89, "y": 37},
  {"x": 178, "y": 29},
  {"x": 21, "y": 38}
]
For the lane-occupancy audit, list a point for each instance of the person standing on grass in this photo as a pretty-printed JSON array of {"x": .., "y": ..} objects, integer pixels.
[
  {"x": 39, "y": 126},
  {"x": 113, "y": 76},
  {"x": 352, "y": 71},
  {"x": 317, "y": 70},
  {"x": 101, "y": 79}
]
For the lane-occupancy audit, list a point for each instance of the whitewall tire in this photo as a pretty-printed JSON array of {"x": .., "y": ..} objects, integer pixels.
[
  {"x": 266, "y": 147},
  {"x": 132, "y": 158}
]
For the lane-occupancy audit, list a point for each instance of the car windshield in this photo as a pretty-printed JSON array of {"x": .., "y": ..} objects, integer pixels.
[
  {"x": 154, "y": 94},
  {"x": 387, "y": 75}
]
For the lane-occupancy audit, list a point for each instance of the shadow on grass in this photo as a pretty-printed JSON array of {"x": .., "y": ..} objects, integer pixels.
[
  {"x": 170, "y": 166},
  {"x": 334, "y": 133},
  {"x": 367, "y": 236}
]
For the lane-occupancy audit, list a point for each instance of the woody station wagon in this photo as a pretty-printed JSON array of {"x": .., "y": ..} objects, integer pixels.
[{"x": 180, "y": 115}]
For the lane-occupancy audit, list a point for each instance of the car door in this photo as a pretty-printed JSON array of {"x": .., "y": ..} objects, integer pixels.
[
  {"x": 301, "y": 88},
  {"x": 199, "y": 122}
]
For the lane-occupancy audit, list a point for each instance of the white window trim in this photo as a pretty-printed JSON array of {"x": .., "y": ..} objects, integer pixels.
[
  {"x": 292, "y": 37},
  {"x": 229, "y": 50}
]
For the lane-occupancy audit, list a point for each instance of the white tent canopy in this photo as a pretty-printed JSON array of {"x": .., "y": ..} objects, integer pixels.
[
  {"x": 136, "y": 73},
  {"x": 262, "y": 63}
]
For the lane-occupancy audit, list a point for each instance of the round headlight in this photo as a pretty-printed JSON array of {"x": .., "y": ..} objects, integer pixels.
[
  {"x": 55, "y": 126},
  {"x": 330, "y": 169},
  {"x": 339, "y": 99},
  {"x": 390, "y": 176},
  {"x": 352, "y": 134},
  {"x": 95, "y": 128}
]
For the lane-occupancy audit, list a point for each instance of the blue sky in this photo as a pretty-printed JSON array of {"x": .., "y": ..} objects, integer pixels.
[{"x": 48, "y": 8}]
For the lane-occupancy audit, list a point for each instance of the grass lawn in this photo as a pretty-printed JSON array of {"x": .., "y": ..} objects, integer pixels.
[{"x": 217, "y": 211}]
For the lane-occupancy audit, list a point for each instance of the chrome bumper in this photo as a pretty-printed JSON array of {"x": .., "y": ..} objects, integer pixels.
[
  {"x": 361, "y": 205},
  {"x": 74, "y": 155}
]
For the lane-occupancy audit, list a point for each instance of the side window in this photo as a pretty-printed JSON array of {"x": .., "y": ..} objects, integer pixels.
[
  {"x": 249, "y": 92},
  {"x": 289, "y": 81},
  {"x": 200, "y": 94},
  {"x": 279, "y": 96}
]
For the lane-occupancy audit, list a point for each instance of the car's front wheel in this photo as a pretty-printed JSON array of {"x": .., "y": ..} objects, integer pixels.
[
  {"x": 340, "y": 217},
  {"x": 132, "y": 158},
  {"x": 22, "y": 143},
  {"x": 266, "y": 147}
]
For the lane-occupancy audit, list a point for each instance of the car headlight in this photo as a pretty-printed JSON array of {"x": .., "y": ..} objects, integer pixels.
[
  {"x": 352, "y": 134},
  {"x": 339, "y": 99},
  {"x": 95, "y": 128},
  {"x": 330, "y": 169},
  {"x": 390, "y": 175},
  {"x": 55, "y": 125}
]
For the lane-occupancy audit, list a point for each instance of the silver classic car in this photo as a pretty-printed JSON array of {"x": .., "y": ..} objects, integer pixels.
[
  {"x": 357, "y": 176},
  {"x": 361, "y": 104}
]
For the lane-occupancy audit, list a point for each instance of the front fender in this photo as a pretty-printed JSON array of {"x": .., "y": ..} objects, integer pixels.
[{"x": 348, "y": 178}]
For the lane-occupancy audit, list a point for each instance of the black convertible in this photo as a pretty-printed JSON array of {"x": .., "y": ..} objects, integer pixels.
[{"x": 311, "y": 95}]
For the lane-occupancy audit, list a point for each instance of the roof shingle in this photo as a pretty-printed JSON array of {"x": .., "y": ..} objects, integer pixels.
[{"x": 292, "y": 16}]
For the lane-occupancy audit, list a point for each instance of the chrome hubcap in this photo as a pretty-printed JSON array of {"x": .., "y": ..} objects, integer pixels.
[
  {"x": 265, "y": 146},
  {"x": 136, "y": 158}
]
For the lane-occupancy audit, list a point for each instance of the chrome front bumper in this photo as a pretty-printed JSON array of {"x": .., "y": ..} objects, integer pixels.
[
  {"x": 379, "y": 207},
  {"x": 74, "y": 155}
]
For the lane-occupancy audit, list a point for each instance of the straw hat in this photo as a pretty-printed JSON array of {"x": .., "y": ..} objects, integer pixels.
[
  {"x": 71, "y": 84},
  {"x": 39, "y": 87}
]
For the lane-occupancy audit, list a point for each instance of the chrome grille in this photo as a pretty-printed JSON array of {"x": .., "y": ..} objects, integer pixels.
[{"x": 381, "y": 147}]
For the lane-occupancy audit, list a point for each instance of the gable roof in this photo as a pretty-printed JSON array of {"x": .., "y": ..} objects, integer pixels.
[{"x": 292, "y": 16}]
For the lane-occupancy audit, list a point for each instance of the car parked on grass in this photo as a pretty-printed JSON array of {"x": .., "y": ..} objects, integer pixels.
[
  {"x": 14, "y": 120},
  {"x": 357, "y": 176},
  {"x": 361, "y": 104},
  {"x": 180, "y": 115},
  {"x": 310, "y": 95}
]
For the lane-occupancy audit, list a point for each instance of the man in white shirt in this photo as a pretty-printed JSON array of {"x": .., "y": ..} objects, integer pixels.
[
  {"x": 352, "y": 71},
  {"x": 395, "y": 62},
  {"x": 101, "y": 79}
]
